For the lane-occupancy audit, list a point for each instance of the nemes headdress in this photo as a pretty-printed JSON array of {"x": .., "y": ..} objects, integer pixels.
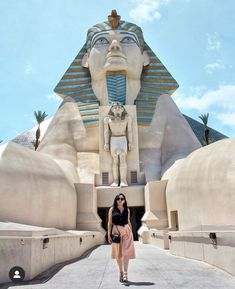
[
  {"x": 114, "y": 22},
  {"x": 155, "y": 78},
  {"x": 111, "y": 114}
]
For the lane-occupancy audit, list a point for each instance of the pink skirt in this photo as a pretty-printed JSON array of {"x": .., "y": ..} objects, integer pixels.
[{"x": 126, "y": 247}]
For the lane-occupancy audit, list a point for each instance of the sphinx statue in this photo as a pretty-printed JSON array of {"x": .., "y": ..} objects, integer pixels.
[{"x": 115, "y": 65}]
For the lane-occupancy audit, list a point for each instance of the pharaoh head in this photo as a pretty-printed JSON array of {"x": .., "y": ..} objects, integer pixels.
[
  {"x": 115, "y": 47},
  {"x": 117, "y": 110},
  {"x": 116, "y": 64}
]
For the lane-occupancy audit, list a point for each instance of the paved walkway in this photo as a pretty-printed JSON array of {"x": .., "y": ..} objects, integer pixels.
[{"x": 153, "y": 268}]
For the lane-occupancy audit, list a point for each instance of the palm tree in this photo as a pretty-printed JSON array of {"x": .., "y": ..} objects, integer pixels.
[
  {"x": 33, "y": 142},
  {"x": 204, "y": 118},
  {"x": 40, "y": 116}
]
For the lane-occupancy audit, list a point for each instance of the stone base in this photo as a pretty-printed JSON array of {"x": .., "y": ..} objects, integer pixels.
[
  {"x": 144, "y": 236},
  {"x": 36, "y": 249},
  {"x": 89, "y": 222},
  {"x": 158, "y": 238},
  {"x": 106, "y": 195},
  {"x": 155, "y": 220},
  {"x": 198, "y": 245},
  {"x": 87, "y": 217}
]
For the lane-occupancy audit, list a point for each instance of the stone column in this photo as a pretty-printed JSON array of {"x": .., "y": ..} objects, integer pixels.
[
  {"x": 87, "y": 217},
  {"x": 155, "y": 209}
]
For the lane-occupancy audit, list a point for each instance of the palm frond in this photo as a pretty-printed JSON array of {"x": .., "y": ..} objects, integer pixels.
[
  {"x": 40, "y": 116},
  {"x": 204, "y": 118}
]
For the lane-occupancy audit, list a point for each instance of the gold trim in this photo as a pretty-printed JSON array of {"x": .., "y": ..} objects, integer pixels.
[
  {"x": 145, "y": 111},
  {"x": 148, "y": 96},
  {"x": 157, "y": 74},
  {"x": 91, "y": 125},
  {"x": 145, "y": 116},
  {"x": 70, "y": 83},
  {"x": 73, "y": 70},
  {"x": 143, "y": 123},
  {"x": 159, "y": 80},
  {"x": 88, "y": 108},
  {"x": 88, "y": 112},
  {"x": 95, "y": 117},
  {"x": 82, "y": 104}
]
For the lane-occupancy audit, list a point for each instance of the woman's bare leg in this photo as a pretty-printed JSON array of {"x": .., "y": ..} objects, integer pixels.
[
  {"x": 120, "y": 265},
  {"x": 125, "y": 263}
]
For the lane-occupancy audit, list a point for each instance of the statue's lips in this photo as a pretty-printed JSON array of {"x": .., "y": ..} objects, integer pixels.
[{"x": 111, "y": 55}]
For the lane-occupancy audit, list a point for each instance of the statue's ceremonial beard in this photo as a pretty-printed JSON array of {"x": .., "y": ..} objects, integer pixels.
[{"x": 116, "y": 86}]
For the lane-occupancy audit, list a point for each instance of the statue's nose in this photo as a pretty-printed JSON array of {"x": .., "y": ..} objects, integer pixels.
[{"x": 115, "y": 45}]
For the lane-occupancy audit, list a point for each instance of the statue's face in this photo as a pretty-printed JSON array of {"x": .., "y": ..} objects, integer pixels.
[
  {"x": 115, "y": 50},
  {"x": 117, "y": 110}
]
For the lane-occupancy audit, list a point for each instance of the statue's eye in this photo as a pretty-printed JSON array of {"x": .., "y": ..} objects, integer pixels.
[
  {"x": 101, "y": 41},
  {"x": 128, "y": 40}
]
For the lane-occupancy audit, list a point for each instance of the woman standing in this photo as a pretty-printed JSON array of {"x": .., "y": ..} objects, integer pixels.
[{"x": 119, "y": 223}]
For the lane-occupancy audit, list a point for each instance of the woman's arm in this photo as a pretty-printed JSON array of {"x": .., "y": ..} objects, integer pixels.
[
  {"x": 110, "y": 224},
  {"x": 129, "y": 220}
]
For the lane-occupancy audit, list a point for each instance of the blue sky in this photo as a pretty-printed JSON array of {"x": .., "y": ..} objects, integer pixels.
[{"x": 194, "y": 39}]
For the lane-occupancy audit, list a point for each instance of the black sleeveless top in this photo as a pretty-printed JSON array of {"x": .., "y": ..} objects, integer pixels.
[{"x": 118, "y": 218}]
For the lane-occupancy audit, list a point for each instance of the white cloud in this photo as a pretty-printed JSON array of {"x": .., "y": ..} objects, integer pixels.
[
  {"x": 223, "y": 97},
  {"x": 198, "y": 90},
  {"x": 147, "y": 10},
  {"x": 54, "y": 96},
  {"x": 213, "y": 42},
  {"x": 227, "y": 118},
  {"x": 28, "y": 69},
  {"x": 211, "y": 67},
  {"x": 221, "y": 101}
]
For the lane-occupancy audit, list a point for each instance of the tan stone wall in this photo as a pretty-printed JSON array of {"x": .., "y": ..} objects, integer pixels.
[
  {"x": 28, "y": 252},
  {"x": 197, "y": 245}
]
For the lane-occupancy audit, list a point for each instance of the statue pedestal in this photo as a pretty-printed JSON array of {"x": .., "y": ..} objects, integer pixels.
[
  {"x": 106, "y": 195},
  {"x": 87, "y": 217},
  {"x": 155, "y": 216}
]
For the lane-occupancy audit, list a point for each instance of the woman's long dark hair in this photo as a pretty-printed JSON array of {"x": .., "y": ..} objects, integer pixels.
[{"x": 115, "y": 201}]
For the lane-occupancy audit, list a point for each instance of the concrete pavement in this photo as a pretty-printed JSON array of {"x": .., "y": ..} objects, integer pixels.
[{"x": 153, "y": 268}]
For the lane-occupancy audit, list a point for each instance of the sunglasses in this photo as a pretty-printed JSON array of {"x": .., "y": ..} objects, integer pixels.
[{"x": 120, "y": 199}]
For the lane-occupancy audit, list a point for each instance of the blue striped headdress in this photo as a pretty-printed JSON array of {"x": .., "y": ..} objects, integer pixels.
[{"x": 155, "y": 79}]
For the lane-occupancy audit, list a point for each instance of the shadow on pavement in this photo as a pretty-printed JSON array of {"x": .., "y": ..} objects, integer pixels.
[
  {"x": 130, "y": 283},
  {"x": 49, "y": 273}
]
